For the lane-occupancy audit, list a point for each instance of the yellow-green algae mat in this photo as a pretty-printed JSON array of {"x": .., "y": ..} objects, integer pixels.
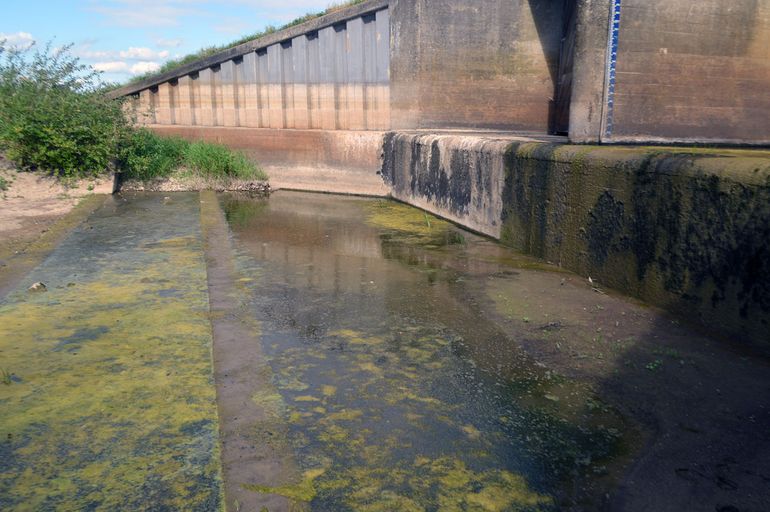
[{"x": 107, "y": 399}]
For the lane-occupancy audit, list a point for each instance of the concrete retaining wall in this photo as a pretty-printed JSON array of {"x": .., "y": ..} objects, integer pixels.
[
  {"x": 319, "y": 160},
  {"x": 683, "y": 71},
  {"x": 481, "y": 63},
  {"x": 693, "y": 71},
  {"x": 458, "y": 177},
  {"x": 620, "y": 71},
  {"x": 685, "y": 230}
]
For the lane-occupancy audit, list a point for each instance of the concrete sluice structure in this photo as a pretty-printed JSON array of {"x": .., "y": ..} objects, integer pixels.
[{"x": 470, "y": 110}]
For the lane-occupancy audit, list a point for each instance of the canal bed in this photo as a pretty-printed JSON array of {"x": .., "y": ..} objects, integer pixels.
[{"x": 365, "y": 356}]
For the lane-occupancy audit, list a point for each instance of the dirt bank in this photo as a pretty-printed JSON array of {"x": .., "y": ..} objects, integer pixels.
[
  {"x": 34, "y": 201},
  {"x": 33, "y": 209}
]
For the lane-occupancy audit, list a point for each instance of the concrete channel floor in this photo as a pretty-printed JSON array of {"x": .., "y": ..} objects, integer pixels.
[{"x": 110, "y": 399}]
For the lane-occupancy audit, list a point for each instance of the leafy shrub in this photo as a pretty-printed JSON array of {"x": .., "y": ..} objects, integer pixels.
[
  {"x": 218, "y": 161},
  {"x": 144, "y": 155},
  {"x": 53, "y": 115}
]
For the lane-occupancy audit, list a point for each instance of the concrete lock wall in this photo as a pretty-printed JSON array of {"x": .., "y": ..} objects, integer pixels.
[
  {"x": 672, "y": 71},
  {"x": 619, "y": 71},
  {"x": 480, "y": 64},
  {"x": 703, "y": 73},
  {"x": 688, "y": 230}
]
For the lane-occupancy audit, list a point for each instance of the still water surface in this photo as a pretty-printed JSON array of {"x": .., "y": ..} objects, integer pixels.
[{"x": 402, "y": 388}]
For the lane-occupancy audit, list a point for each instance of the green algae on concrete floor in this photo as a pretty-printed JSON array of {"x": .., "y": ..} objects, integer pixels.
[
  {"x": 398, "y": 394},
  {"x": 111, "y": 403}
]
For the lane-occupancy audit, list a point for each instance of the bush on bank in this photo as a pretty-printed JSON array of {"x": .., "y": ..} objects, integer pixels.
[
  {"x": 52, "y": 114},
  {"x": 55, "y": 117}
]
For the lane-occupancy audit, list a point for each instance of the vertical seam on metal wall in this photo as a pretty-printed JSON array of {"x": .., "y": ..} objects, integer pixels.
[{"x": 612, "y": 61}]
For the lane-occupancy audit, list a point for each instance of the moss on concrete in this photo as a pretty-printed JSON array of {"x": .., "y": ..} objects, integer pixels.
[
  {"x": 684, "y": 228},
  {"x": 112, "y": 402}
]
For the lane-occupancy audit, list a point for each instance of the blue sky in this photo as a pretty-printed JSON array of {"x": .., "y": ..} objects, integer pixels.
[{"x": 128, "y": 37}]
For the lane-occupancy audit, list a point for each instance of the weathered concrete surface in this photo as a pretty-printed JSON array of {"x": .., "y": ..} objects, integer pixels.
[
  {"x": 693, "y": 71},
  {"x": 587, "y": 102},
  {"x": 674, "y": 71},
  {"x": 454, "y": 175},
  {"x": 685, "y": 229},
  {"x": 317, "y": 160},
  {"x": 482, "y": 64}
]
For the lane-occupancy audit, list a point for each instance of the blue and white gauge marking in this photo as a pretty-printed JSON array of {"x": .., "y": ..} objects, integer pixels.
[{"x": 612, "y": 67}]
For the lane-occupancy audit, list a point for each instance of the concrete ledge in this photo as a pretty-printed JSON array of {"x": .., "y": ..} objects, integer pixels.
[
  {"x": 685, "y": 229},
  {"x": 459, "y": 177}
]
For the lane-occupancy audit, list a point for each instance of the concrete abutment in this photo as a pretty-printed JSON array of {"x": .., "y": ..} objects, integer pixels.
[{"x": 684, "y": 229}]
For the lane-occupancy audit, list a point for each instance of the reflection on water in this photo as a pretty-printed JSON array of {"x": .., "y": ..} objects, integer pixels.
[{"x": 400, "y": 391}]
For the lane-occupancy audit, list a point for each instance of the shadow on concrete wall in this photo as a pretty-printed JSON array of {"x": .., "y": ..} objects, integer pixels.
[{"x": 555, "y": 28}]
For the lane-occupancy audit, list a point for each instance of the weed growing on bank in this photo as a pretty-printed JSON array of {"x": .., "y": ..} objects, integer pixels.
[
  {"x": 146, "y": 156},
  {"x": 218, "y": 161}
]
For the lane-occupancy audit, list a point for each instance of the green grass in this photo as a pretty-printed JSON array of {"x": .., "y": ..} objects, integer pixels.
[
  {"x": 146, "y": 156},
  {"x": 217, "y": 161},
  {"x": 3, "y": 184},
  {"x": 211, "y": 50}
]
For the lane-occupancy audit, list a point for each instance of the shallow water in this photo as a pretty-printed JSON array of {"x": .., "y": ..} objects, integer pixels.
[
  {"x": 366, "y": 356},
  {"x": 400, "y": 392}
]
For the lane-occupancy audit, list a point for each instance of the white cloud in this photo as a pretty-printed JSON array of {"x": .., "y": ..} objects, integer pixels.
[
  {"x": 143, "y": 54},
  {"x": 146, "y": 13},
  {"x": 84, "y": 51},
  {"x": 124, "y": 68},
  {"x": 19, "y": 40},
  {"x": 168, "y": 43},
  {"x": 144, "y": 67},
  {"x": 111, "y": 67}
]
